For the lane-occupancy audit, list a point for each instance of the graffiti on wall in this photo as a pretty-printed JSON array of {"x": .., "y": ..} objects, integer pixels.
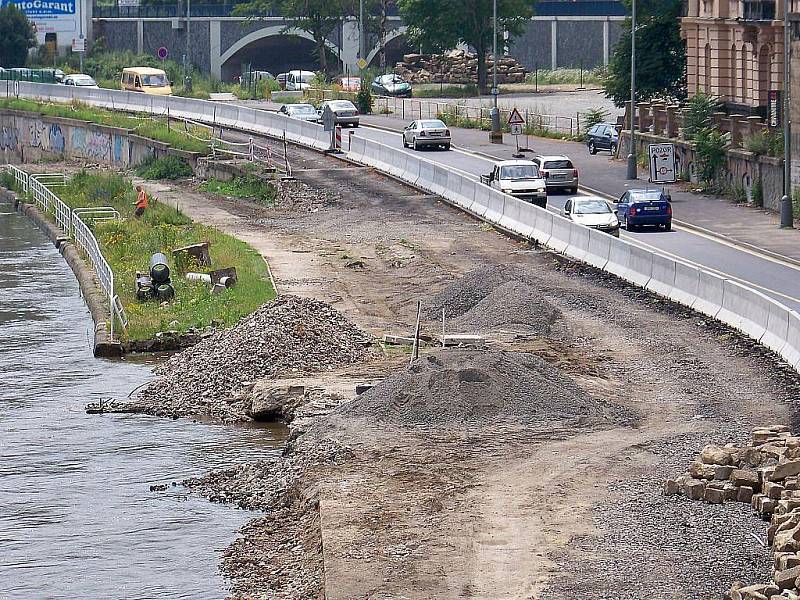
[
  {"x": 92, "y": 144},
  {"x": 8, "y": 139},
  {"x": 117, "y": 148},
  {"x": 55, "y": 138}
]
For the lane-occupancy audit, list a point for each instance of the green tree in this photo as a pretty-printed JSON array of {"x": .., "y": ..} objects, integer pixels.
[
  {"x": 16, "y": 37},
  {"x": 439, "y": 25},
  {"x": 660, "y": 55},
  {"x": 318, "y": 18}
]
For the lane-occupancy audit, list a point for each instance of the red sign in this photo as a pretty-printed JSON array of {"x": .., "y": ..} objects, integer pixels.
[{"x": 162, "y": 53}]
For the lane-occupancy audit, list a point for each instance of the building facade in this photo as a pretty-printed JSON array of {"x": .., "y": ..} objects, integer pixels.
[{"x": 735, "y": 50}]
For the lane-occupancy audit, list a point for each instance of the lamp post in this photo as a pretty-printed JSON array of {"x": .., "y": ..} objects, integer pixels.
[
  {"x": 787, "y": 218},
  {"x": 361, "y": 44},
  {"x": 496, "y": 135},
  {"x": 187, "y": 78},
  {"x": 632, "y": 153}
]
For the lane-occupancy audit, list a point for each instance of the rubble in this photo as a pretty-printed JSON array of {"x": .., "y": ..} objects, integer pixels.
[
  {"x": 457, "y": 67},
  {"x": 767, "y": 476},
  {"x": 287, "y": 335}
]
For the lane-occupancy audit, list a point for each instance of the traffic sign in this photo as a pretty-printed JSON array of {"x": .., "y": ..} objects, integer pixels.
[
  {"x": 362, "y": 64},
  {"x": 162, "y": 53},
  {"x": 516, "y": 129},
  {"x": 662, "y": 163},
  {"x": 79, "y": 45},
  {"x": 515, "y": 118}
]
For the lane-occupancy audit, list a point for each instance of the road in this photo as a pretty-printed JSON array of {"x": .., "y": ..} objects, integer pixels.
[{"x": 772, "y": 275}]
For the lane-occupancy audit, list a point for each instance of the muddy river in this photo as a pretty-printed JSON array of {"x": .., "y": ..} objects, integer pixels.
[{"x": 77, "y": 517}]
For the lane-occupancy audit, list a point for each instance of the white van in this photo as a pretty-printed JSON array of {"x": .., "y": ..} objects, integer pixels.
[{"x": 297, "y": 81}]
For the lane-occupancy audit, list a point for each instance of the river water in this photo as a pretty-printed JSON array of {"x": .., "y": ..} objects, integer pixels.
[{"x": 77, "y": 517}]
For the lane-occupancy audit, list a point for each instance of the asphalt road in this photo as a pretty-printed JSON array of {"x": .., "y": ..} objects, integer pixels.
[{"x": 772, "y": 276}]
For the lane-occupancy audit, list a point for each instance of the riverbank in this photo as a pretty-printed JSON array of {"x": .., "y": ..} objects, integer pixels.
[{"x": 489, "y": 471}]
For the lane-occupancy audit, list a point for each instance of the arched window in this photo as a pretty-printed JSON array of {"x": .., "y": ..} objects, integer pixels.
[
  {"x": 707, "y": 69},
  {"x": 732, "y": 74}
]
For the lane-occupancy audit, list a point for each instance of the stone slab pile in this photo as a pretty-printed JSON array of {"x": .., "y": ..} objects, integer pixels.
[
  {"x": 456, "y": 67},
  {"x": 765, "y": 474}
]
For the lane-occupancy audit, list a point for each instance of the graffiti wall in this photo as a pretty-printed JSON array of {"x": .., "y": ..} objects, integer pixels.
[{"x": 28, "y": 139}]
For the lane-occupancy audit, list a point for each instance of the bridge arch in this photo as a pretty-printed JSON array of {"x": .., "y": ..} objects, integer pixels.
[
  {"x": 294, "y": 42},
  {"x": 391, "y": 36}
]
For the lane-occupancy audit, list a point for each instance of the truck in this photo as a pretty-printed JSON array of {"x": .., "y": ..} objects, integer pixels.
[{"x": 519, "y": 178}]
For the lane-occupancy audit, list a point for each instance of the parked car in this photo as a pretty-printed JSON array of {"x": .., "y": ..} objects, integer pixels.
[
  {"x": 637, "y": 208},
  {"x": 559, "y": 173},
  {"x": 80, "y": 80},
  {"x": 603, "y": 136},
  {"x": 520, "y": 178},
  {"x": 344, "y": 111},
  {"x": 281, "y": 79},
  {"x": 147, "y": 80},
  {"x": 350, "y": 84},
  {"x": 391, "y": 85},
  {"x": 304, "y": 112},
  {"x": 594, "y": 212},
  {"x": 297, "y": 81},
  {"x": 426, "y": 132}
]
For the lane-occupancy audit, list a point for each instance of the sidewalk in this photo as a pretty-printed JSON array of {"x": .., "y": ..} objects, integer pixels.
[{"x": 718, "y": 216}]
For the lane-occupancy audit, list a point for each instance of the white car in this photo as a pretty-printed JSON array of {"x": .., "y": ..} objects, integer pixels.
[
  {"x": 303, "y": 112},
  {"x": 520, "y": 178},
  {"x": 426, "y": 132},
  {"x": 79, "y": 80},
  {"x": 344, "y": 112},
  {"x": 594, "y": 212},
  {"x": 297, "y": 81}
]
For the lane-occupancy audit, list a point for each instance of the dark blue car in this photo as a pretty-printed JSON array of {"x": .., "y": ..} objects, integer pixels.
[{"x": 637, "y": 208}]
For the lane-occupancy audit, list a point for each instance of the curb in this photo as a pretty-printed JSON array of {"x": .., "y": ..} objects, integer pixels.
[{"x": 104, "y": 346}]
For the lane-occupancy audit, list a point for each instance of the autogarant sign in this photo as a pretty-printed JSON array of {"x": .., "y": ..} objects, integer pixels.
[{"x": 51, "y": 16}]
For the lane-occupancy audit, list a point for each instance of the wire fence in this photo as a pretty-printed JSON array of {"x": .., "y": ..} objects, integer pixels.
[{"x": 479, "y": 116}]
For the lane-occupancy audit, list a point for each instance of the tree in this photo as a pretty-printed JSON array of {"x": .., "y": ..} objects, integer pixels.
[
  {"x": 660, "y": 55},
  {"x": 439, "y": 25},
  {"x": 318, "y": 18},
  {"x": 16, "y": 37}
]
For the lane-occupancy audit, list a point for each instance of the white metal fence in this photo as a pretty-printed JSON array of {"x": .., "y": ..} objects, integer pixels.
[{"x": 75, "y": 224}]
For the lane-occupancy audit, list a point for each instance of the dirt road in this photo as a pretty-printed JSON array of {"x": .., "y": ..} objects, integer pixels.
[{"x": 501, "y": 508}]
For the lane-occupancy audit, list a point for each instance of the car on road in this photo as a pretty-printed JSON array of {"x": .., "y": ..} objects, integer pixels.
[
  {"x": 644, "y": 207},
  {"x": 594, "y": 212},
  {"x": 146, "y": 80},
  {"x": 391, "y": 85},
  {"x": 281, "y": 79},
  {"x": 303, "y": 112},
  {"x": 345, "y": 112},
  {"x": 603, "y": 136},
  {"x": 297, "y": 81},
  {"x": 520, "y": 178},
  {"x": 80, "y": 80},
  {"x": 425, "y": 133},
  {"x": 559, "y": 173}
]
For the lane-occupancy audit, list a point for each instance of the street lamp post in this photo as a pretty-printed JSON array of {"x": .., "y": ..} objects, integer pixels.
[
  {"x": 632, "y": 153},
  {"x": 496, "y": 135},
  {"x": 787, "y": 218},
  {"x": 361, "y": 44}
]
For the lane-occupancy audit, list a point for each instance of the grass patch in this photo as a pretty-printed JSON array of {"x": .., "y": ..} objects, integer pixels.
[
  {"x": 566, "y": 77},
  {"x": 249, "y": 186},
  {"x": 140, "y": 125},
  {"x": 128, "y": 244},
  {"x": 164, "y": 167},
  {"x": 445, "y": 91}
]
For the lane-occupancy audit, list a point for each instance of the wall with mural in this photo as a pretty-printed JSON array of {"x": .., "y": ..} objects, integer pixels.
[{"x": 29, "y": 138}]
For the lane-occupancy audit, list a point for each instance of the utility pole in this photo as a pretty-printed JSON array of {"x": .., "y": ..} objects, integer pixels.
[
  {"x": 187, "y": 82},
  {"x": 361, "y": 45},
  {"x": 82, "y": 41},
  {"x": 496, "y": 135},
  {"x": 787, "y": 218},
  {"x": 632, "y": 154}
]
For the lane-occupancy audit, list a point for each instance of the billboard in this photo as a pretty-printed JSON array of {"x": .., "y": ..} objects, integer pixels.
[{"x": 52, "y": 16}]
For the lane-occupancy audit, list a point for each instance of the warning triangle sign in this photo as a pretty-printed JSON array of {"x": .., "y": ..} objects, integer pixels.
[{"x": 515, "y": 118}]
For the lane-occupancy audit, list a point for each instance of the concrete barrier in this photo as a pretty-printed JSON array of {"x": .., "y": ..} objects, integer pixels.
[
  {"x": 777, "y": 331},
  {"x": 791, "y": 350},
  {"x": 426, "y": 176},
  {"x": 459, "y": 190},
  {"x": 560, "y": 234},
  {"x": 662, "y": 279},
  {"x": 619, "y": 258},
  {"x": 495, "y": 205},
  {"x": 578, "y": 247},
  {"x": 543, "y": 226},
  {"x": 510, "y": 217},
  {"x": 413, "y": 167},
  {"x": 710, "y": 292},
  {"x": 521, "y": 219},
  {"x": 744, "y": 309},
  {"x": 599, "y": 248},
  {"x": 481, "y": 205},
  {"x": 687, "y": 278},
  {"x": 641, "y": 267},
  {"x": 440, "y": 180},
  {"x": 357, "y": 146}
]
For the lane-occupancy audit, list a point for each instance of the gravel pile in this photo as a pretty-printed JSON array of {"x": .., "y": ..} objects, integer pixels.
[
  {"x": 465, "y": 387},
  {"x": 289, "y": 334},
  {"x": 296, "y": 196}
]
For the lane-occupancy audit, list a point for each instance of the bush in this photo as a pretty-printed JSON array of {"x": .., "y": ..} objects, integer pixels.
[
  {"x": 164, "y": 167},
  {"x": 592, "y": 117},
  {"x": 7, "y": 180},
  {"x": 757, "y": 193},
  {"x": 364, "y": 98},
  {"x": 710, "y": 146},
  {"x": 698, "y": 114}
]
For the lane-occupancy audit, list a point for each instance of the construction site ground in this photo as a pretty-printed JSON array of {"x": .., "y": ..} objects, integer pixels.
[{"x": 501, "y": 509}]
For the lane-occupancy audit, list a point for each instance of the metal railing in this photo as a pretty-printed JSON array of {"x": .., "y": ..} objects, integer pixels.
[
  {"x": 20, "y": 178},
  {"x": 252, "y": 152},
  {"x": 410, "y": 108}
]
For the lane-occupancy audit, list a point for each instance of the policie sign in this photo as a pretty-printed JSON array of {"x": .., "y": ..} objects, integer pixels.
[
  {"x": 662, "y": 163},
  {"x": 774, "y": 107}
]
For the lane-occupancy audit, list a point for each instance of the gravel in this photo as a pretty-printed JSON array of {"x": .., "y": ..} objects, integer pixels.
[
  {"x": 477, "y": 387},
  {"x": 296, "y": 196},
  {"x": 287, "y": 335}
]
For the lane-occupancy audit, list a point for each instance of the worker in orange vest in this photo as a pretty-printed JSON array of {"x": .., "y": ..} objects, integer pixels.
[{"x": 141, "y": 201}]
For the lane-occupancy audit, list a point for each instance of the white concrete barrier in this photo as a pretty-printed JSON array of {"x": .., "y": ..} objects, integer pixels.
[
  {"x": 578, "y": 247},
  {"x": 745, "y": 309},
  {"x": 662, "y": 279},
  {"x": 791, "y": 350},
  {"x": 426, "y": 176},
  {"x": 543, "y": 226},
  {"x": 496, "y": 202},
  {"x": 481, "y": 205},
  {"x": 710, "y": 292},
  {"x": 357, "y": 146},
  {"x": 560, "y": 234},
  {"x": 440, "y": 180},
  {"x": 687, "y": 278},
  {"x": 777, "y": 331},
  {"x": 641, "y": 267},
  {"x": 619, "y": 258},
  {"x": 459, "y": 190},
  {"x": 599, "y": 248},
  {"x": 413, "y": 167}
]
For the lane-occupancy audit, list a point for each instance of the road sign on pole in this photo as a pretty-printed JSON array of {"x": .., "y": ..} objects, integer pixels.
[
  {"x": 662, "y": 163},
  {"x": 515, "y": 118}
]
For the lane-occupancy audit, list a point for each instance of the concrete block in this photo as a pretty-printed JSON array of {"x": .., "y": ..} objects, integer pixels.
[
  {"x": 714, "y": 495},
  {"x": 722, "y": 472},
  {"x": 772, "y": 490},
  {"x": 694, "y": 489},
  {"x": 744, "y": 494}
]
